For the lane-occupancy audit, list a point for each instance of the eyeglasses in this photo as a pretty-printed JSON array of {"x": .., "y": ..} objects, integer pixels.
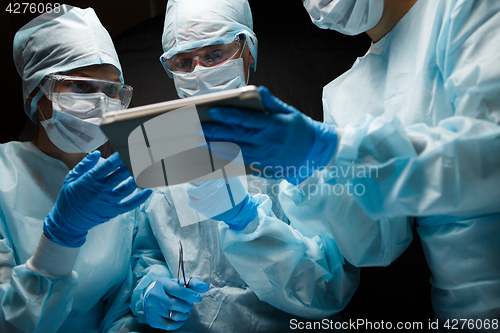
[
  {"x": 53, "y": 85},
  {"x": 207, "y": 56}
]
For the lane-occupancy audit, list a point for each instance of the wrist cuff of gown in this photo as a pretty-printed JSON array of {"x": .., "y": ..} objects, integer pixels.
[{"x": 52, "y": 260}]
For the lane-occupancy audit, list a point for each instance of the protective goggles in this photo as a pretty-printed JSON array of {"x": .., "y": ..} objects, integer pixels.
[
  {"x": 207, "y": 56},
  {"x": 61, "y": 89}
]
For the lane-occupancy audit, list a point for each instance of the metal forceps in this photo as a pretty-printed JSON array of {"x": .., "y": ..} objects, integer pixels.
[{"x": 181, "y": 269}]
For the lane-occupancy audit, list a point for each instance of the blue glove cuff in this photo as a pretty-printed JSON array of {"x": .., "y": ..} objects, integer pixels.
[
  {"x": 321, "y": 152},
  {"x": 324, "y": 145},
  {"x": 230, "y": 213},
  {"x": 60, "y": 231},
  {"x": 247, "y": 214}
]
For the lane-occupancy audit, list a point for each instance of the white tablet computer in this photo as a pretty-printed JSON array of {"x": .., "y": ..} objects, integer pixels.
[{"x": 162, "y": 144}]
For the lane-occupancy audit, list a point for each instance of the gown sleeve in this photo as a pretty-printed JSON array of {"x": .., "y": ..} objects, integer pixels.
[
  {"x": 317, "y": 206},
  {"x": 30, "y": 301},
  {"x": 294, "y": 270},
  {"x": 449, "y": 169}
]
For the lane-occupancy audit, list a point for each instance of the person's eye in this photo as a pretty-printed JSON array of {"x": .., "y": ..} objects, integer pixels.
[
  {"x": 80, "y": 87},
  {"x": 183, "y": 64},
  {"x": 110, "y": 90},
  {"x": 214, "y": 57}
]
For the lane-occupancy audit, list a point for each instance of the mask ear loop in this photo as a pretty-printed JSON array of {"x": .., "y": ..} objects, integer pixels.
[
  {"x": 41, "y": 113},
  {"x": 248, "y": 76},
  {"x": 34, "y": 102},
  {"x": 241, "y": 53},
  {"x": 44, "y": 89}
]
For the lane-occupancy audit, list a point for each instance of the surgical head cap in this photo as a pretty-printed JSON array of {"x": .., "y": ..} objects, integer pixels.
[
  {"x": 61, "y": 42},
  {"x": 191, "y": 24}
]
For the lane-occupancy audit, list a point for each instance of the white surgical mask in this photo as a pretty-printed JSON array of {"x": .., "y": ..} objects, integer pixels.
[
  {"x": 74, "y": 131},
  {"x": 204, "y": 80},
  {"x": 350, "y": 17}
]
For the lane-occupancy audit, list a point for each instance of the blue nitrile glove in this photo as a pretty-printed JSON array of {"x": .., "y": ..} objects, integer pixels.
[
  {"x": 91, "y": 195},
  {"x": 218, "y": 201},
  {"x": 284, "y": 140},
  {"x": 168, "y": 304}
]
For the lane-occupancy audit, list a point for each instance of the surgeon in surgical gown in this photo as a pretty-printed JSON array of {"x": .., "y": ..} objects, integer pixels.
[
  {"x": 69, "y": 281},
  {"x": 275, "y": 261},
  {"x": 419, "y": 115}
]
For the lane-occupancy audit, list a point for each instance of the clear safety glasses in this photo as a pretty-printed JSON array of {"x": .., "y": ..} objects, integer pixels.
[
  {"x": 62, "y": 90},
  {"x": 208, "y": 56}
]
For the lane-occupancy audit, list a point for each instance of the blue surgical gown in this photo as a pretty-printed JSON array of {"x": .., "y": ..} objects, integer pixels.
[
  {"x": 95, "y": 297},
  {"x": 300, "y": 276},
  {"x": 420, "y": 115}
]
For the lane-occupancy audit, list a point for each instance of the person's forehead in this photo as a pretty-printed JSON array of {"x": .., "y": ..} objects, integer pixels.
[
  {"x": 211, "y": 47},
  {"x": 103, "y": 72}
]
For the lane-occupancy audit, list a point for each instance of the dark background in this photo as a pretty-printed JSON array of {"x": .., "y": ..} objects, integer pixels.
[{"x": 295, "y": 60}]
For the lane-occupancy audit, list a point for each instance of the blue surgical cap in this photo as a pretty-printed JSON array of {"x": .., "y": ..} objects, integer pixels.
[
  {"x": 60, "y": 42},
  {"x": 191, "y": 24}
]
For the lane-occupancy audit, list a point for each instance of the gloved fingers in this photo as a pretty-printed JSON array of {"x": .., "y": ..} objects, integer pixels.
[
  {"x": 274, "y": 104},
  {"x": 125, "y": 187},
  {"x": 198, "y": 285},
  {"x": 239, "y": 117},
  {"x": 169, "y": 303},
  {"x": 135, "y": 201},
  {"x": 229, "y": 149},
  {"x": 216, "y": 202},
  {"x": 221, "y": 148},
  {"x": 160, "y": 306},
  {"x": 249, "y": 153},
  {"x": 225, "y": 150},
  {"x": 172, "y": 321},
  {"x": 165, "y": 323},
  {"x": 179, "y": 316},
  {"x": 174, "y": 289},
  {"x": 214, "y": 131},
  {"x": 247, "y": 213},
  {"x": 221, "y": 132},
  {"x": 102, "y": 170},
  {"x": 117, "y": 178},
  {"x": 85, "y": 165},
  {"x": 213, "y": 197},
  {"x": 208, "y": 184},
  {"x": 225, "y": 214},
  {"x": 161, "y": 299},
  {"x": 205, "y": 189},
  {"x": 201, "y": 189}
]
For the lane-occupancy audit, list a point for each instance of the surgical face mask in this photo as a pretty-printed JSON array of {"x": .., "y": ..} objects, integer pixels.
[
  {"x": 204, "y": 80},
  {"x": 350, "y": 17},
  {"x": 76, "y": 130}
]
